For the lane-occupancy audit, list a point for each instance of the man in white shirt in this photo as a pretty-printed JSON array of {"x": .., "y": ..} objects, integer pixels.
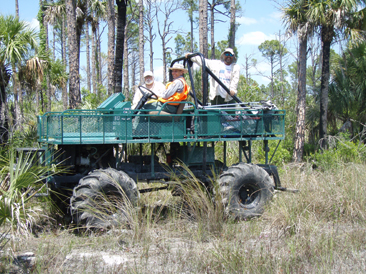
[
  {"x": 157, "y": 87},
  {"x": 227, "y": 71}
]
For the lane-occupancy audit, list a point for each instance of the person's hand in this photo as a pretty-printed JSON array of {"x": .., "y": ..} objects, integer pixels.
[
  {"x": 232, "y": 93},
  {"x": 188, "y": 53}
]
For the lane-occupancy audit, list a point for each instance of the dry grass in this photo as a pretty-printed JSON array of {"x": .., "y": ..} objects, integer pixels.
[{"x": 321, "y": 229}]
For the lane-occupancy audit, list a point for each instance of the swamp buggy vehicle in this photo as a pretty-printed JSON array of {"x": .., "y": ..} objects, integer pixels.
[{"x": 95, "y": 146}]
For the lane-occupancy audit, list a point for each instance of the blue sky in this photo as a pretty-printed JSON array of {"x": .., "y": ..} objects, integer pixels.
[{"x": 260, "y": 20}]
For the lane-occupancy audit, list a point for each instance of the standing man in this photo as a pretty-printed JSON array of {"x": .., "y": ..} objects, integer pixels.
[
  {"x": 227, "y": 71},
  {"x": 157, "y": 87}
]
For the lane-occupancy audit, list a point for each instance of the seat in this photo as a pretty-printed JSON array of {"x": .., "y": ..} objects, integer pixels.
[{"x": 160, "y": 115}]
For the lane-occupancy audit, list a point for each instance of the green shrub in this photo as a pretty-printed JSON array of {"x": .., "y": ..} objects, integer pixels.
[{"x": 340, "y": 151}]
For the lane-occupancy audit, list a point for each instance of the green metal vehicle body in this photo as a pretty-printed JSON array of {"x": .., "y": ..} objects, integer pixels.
[{"x": 86, "y": 140}]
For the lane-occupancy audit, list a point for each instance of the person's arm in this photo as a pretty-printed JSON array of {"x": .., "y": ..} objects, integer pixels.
[
  {"x": 175, "y": 86},
  {"x": 210, "y": 64}
]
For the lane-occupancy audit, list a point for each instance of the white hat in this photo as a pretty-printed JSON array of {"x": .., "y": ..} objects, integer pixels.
[
  {"x": 179, "y": 67},
  {"x": 148, "y": 73},
  {"x": 229, "y": 50}
]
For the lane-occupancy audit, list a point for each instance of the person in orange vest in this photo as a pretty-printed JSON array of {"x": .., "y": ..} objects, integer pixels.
[{"x": 175, "y": 91}]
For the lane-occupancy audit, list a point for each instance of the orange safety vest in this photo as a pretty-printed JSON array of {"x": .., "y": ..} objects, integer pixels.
[{"x": 178, "y": 96}]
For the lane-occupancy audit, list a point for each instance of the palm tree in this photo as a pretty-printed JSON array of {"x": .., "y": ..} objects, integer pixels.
[
  {"x": 120, "y": 42},
  {"x": 74, "y": 83},
  {"x": 348, "y": 88},
  {"x": 111, "y": 19},
  {"x": 16, "y": 41},
  {"x": 76, "y": 15},
  {"x": 54, "y": 15},
  {"x": 5, "y": 76},
  {"x": 330, "y": 16},
  {"x": 141, "y": 40},
  {"x": 97, "y": 11},
  {"x": 294, "y": 16}
]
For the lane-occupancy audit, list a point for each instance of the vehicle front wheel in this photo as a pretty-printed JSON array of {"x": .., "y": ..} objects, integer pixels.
[
  {"x": 103, "y": 198},
  {"x": 245, "y": 190}
]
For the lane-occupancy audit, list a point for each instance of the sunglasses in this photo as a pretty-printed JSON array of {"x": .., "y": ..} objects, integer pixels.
[{"x": 228, "y": 54}]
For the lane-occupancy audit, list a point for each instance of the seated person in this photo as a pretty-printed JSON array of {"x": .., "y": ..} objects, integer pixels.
[
  {"x": 157, "y": 87},
  {"x": 175, "y": 91}
]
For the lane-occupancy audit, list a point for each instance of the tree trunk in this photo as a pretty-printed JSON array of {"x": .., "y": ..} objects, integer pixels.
[
  {"x": 94, "y": 63},
  {"x": 272, "y": 86},
  {"x": 203, "y": 27},
  {"x": 212, "y": 11},
  {"x": 48, "y": 91},
  {"x": 4, "y": 125},
  {"x": 87, "y": 45},
  {"x": 141, "y": 40},
  {"x": 111, "y": 39},
  {"x": 120, "y": 43},
  {"x": 125, "y": 69},
  {"x": 327, "y": 34},
  {"x": 232, "y": 25},
  {"x": 133, "y": 71},
  {"x": 74, "y": 80},
  {"x": 63, "y": 34},
  {"x": 301, "y": 103},
  {"x": 281, "y": 54},
  {"x": 151, "y": 40},
  {"x": 99, "y": 50},
  {"x": 202, "y": 9},
  {"x": 164, "y": 63},
  {"x": 16, "y": 8},
  {"x": 54, "y": 43},
  {"x": 149, "y": 19}
]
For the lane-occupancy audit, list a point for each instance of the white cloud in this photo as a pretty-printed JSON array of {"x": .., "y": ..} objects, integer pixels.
[
  {"x": 277, "y": 15},
  {"x": 246, "y": 21},
  {"x": 34, "y": 24},
  {"x": 254, "y": 38}
]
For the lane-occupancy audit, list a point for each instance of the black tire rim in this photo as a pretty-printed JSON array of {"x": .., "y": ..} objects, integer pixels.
[{"x": 249, "y": 196}]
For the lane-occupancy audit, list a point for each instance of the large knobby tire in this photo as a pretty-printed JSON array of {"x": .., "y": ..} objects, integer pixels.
[
  {"x": 103, "y": 198},
  {"x": 245, "y": 190}
]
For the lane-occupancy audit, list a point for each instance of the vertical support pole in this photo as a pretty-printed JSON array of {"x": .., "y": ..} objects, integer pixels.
[
  {"x": 204, "y": 157},
  {"x": 153, "y": 160},
  {"x": 240, "y": 151},
  {"x": 140, "y": 156},
  {"x": 225, "y": 153},
  {"x": 266, "y": 150},
  {"x": 250, "y": 150}
]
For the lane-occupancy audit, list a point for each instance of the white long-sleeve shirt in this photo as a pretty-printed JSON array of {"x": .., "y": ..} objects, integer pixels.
[
  {"x": 229, "y": 75},
  {"x": 158, "y": 88}
]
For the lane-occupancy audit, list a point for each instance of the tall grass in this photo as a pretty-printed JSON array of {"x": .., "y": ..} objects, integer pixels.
[
  {"x": 320, "y": 229},
  {"x": 201, "y": 204},
  {"x": 20, "y": 181}
]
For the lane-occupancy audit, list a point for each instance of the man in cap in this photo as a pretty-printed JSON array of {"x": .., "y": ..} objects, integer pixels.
[
  {"x": 227, "y": 71},
  {"x": 157, "y": 87}
]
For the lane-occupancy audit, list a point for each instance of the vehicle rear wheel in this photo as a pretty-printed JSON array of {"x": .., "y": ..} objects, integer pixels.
[
  {"x": 103, "y": 198},
  {"x": 245, "y": 190}
]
